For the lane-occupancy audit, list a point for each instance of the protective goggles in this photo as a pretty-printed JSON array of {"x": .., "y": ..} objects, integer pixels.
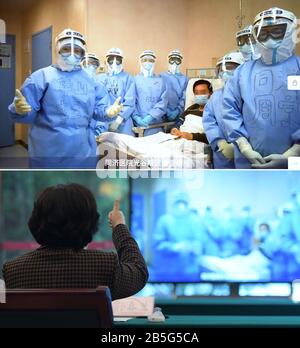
[
  {"x": 175, "y": 60},
  {"x": 147, "y": 59},
  {"x": 66, "y": 51},
  {"x": 245, "y": 40},
  {"x": 276, "y": 32},
  {"x": 110, "y": 60},
  {"x": 228, "y": 66},
  {"x": 93, "y": 62}
]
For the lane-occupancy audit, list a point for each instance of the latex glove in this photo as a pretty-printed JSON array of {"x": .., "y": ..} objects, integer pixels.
[
  {"x": 143, "y": 122},
  {"x": 226, "y": 148},
  {"x": 99, "y": 130},
  {"x": 115, "y": 109},
  {"x": 116, "y": 217},
  {"x": 21, "y": 105},
  {"x": 294, "y": 151},
  {"x": 247, "y": 151},
  {"x": 114, "y": 126},
  {"x": 274, "y": 161},
  {"x": 172, "y": 115},
  {"x": 277, "y": 161}
]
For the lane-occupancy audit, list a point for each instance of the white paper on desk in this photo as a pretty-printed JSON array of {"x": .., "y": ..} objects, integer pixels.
[
  {"x": 122, "y": 319},
  {"x": 133, "y": 307}
]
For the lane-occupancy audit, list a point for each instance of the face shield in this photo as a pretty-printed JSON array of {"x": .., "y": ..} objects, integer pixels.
[
  {"x": 247, "y": 46},
  {"x": 90, "y": 65},
  {"x": 147, "y": 65},
  {"x": 114, "y": 64},
  {"x": 275, "y": 35},
  {"x": 225, "y": 70},
  {"x": 70, "y": 52},
  {"x": 174, "y": 65}
]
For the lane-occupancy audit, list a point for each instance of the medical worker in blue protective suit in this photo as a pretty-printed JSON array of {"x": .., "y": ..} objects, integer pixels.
[
  {"x": 223, "y": 151},
  {"x": 151, "y": 95},
  {"x": 247, "y": 44},
  {"x": 119, "y": 84},
  {"x": 260, "y": 114},
  {"x": 176, "y": 84},
  {"x": 90, "y": 64},
  {"x": 59, "y": 103},
  {"x": 178, "y": 241}
]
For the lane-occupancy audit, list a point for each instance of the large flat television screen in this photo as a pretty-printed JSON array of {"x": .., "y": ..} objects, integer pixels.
[{"x": 219, "y": 226}]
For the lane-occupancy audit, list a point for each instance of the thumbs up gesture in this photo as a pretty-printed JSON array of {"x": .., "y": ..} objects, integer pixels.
[
  {"x": 115, "y": 109},
  {"x": 116, "y": 217},
  {"x": 21, "y": 105}
]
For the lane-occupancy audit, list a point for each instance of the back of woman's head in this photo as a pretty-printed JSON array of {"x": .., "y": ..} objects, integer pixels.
[{"x": 64, "y": 216}]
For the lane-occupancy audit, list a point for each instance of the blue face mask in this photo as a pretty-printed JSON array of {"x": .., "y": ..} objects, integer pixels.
[
  {"x": 272, "y": 44},
  {"x": 226, "y": 75},
  {"x": 72, "y": 60},
  {"x": 91, "y": 70},
  {"x": 201, "y": 99},
  {"x": 147, "y": 66}
]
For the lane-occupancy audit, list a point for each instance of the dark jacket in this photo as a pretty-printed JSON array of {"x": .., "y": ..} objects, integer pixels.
[
  {"x": 193, "y": 110},
  {"x": 124, "y": 272}
]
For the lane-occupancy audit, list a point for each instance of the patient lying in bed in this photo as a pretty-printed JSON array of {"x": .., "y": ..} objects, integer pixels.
[{"x": 161, "y": 150}]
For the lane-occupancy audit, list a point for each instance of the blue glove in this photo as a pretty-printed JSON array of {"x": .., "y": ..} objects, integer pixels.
[
  {"x": 99, "y": 130},
  {"x": 142, "y": 122},
  {"x": 172, "y": 115},
  {"x": 147, "y": 120}
]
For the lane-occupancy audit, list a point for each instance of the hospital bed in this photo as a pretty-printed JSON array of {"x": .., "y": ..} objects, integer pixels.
[
  {"x": 158, "y": 151},
  {"x": 166, "y": 126}
]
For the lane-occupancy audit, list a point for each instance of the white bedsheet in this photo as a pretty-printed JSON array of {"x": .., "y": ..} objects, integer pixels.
[{"x": 159, "y": 150}]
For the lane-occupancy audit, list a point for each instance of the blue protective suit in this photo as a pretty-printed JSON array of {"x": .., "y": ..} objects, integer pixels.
[
  {"x": 122, "y": 85},
  {"x": 63, "y": 106},
  {"x": 259, "y": 106},
  {"x": 151, "y": 99},
  {"x": 176, "y": 91},
  {"x": 176, "y": 248},
  {"x": 214, "y": 129}
]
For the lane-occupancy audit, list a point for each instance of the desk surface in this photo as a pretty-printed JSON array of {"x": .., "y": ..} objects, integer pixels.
[
  {"x": 229, "y": 306},
  {"x": 190, "y": 321}
]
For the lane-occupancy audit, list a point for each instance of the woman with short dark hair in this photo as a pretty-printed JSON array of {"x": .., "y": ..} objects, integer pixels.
[{"x": 63, "y": 221}]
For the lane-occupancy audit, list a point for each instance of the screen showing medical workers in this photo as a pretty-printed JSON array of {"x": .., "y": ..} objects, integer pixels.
[{"x": 219, "y": 226}]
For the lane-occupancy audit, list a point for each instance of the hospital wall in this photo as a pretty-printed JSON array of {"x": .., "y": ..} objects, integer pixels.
[
  {"x": 14, "y": 27},
  {"x": 136, "y": 25},
  {"x": 213, "y": 23}
]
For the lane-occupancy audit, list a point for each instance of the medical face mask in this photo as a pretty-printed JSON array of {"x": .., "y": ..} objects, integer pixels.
[
  {"x": 114, "y": 68},
  {"x": 181, "y": 208},
  {"x": 201, "y": 99},
  {"x": 226, "y": 75},
  {"x": 274, "y": 51},
  {"x": 272, "y": 44},
  {"x": 173, "y": 68},
  {"x": 147, "y": 69},
  {"x": 91, "y": 70},
  {"x": 249, "y": 51}
]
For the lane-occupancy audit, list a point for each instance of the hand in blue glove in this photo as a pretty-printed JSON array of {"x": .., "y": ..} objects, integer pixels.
[
  {"x": 172, "y": 115},
  {"x": 142, "y": 122},
  {"x": 99, "y": 130}
]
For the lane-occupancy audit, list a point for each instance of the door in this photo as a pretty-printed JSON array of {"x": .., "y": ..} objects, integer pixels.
[
  {"x": 42, "y": 49},
  {"x": 7, "y": 87}
]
